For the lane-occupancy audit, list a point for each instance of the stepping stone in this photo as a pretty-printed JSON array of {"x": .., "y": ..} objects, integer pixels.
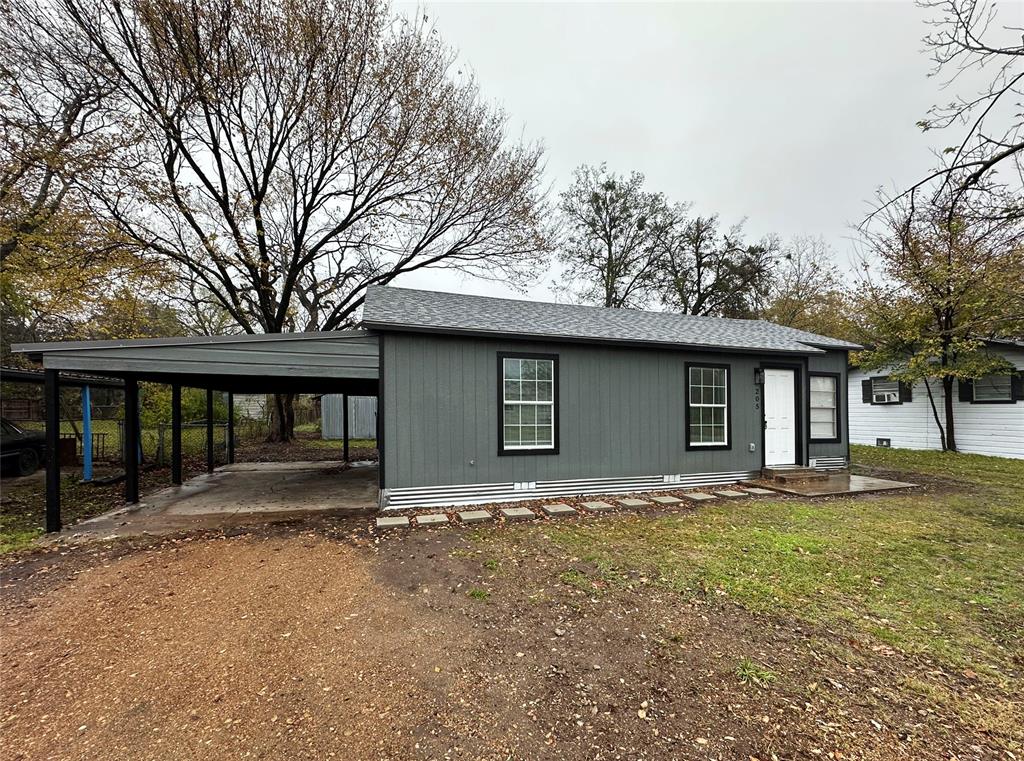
[
  {"x": 559, "y": 508},
  {"x": 698, "y": 496},
  {"x": 393, "y": 521},
  {"x": 475, "y": 516},
  {"x": 598, "y": 507},
  {"x": 666, "y": 500},
  {"x": 434, "y": 519},
  {"x": 517, "y": 513},
  {"x": 632, "y": 502},
  {"x": 731, "y": 493},
  {"x": 759, "y": 491}
]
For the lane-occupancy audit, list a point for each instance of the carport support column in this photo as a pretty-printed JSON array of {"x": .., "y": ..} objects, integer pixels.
[
  {"x": 176, "y": 434},
  {"x": 209, "y": 430},
  {"x": 231, "y": 427},
  {"x": 131, "y": 439},
  {"x": 344, "y": 425},
  {"x": 51, "y": 384}
]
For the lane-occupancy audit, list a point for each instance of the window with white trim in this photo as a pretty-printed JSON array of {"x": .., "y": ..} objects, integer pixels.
[
  {"x": 993, "y": 388},
  {"x": 824, "y": 407},
  {"x": 885, "y": 391},
  {"x": 528, "y": 403},
  {"x": 708, "y": 406}
]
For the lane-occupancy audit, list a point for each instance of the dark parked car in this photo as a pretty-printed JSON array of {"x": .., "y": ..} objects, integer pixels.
[{"x": 21, "y": 451}]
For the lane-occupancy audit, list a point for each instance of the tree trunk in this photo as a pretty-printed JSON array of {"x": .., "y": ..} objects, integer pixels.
[
  {"x": 947, "y": 390},
  {"x": 282, "y": 419},
  {"x": 935, "y": 413}
]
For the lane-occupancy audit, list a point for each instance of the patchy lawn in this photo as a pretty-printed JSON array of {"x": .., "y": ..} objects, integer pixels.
[{"x": 878, "y": 627}]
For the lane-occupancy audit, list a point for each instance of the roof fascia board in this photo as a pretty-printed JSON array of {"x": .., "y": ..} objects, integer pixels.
[{"x": 41, "y": 348}]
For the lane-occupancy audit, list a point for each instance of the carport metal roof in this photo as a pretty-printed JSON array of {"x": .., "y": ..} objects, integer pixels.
[{"x": 329, "y": 362}]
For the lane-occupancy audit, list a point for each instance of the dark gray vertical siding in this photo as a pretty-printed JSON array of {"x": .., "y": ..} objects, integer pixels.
[
  {"x": 621, "y": 413},
  {"x": 833, "y": 362}
]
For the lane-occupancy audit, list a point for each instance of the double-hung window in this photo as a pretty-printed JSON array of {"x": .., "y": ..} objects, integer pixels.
[
  {"x": 993, "y": 388},
  {"x": 529, "y": 386},
  {"x": 707, "y": 406},
  {"x": 824, "y": 408}
]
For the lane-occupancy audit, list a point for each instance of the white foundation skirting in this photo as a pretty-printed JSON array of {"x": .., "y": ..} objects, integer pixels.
[{"x": 475, "y": 494}]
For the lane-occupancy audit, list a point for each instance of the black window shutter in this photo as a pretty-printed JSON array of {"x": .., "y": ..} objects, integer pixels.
[
  {"x": 865, "y": 391},
  {"x": 966, "y": 390},
  {"x": 1017, "y": 386},
  {"x": 906, "y": 392}
]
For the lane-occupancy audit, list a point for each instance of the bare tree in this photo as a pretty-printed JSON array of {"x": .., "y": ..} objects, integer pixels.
[
  {"x": 297, "y": 151},
  {"x": 967, "y": 40},
  {"x": 704, "y": 271},
  {"x": 608, "y": 256},
  {"x": 804, "y": 281},
  {"x": 55, "y": 126}
]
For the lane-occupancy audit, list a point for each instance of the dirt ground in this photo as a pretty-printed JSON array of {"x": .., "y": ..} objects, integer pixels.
[{"x": 320, "y": 640}]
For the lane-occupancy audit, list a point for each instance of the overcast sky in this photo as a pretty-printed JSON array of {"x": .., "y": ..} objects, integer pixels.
[{"x": 787, "y": 114}]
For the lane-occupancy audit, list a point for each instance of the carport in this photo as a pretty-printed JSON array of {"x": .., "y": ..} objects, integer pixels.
[{"x": 342, "y": 362}]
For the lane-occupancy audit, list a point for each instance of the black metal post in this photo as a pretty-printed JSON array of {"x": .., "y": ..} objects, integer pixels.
[
  {"x": 131, "y": 440},
  {"x": 344, "y": 424},
  {"x": 231, "y": 427},
  {"x": 51, "y": 381},
  {"x": 209, "y": 430},
  {"x": 176, "y": 434}
]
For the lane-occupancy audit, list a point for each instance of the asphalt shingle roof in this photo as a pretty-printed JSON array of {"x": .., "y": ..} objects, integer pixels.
[{"x": 388, "y": 307}]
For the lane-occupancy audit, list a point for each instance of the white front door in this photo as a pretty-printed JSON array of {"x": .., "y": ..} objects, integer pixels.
[{"x": 779, "y": 417}]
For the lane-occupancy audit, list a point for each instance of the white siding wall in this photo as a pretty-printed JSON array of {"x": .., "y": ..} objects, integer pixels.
[{"x": 993, "y": 429}]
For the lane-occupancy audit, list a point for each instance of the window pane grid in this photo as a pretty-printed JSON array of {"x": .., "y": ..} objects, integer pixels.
[
  {"x": 708, "y": 406},
  {"x": 824, "y": 406},
  {"x": 528, "y": 395}
]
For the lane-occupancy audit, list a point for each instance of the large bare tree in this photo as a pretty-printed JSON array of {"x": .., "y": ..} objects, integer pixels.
[
  {"x": 297, "y": 151},
  {"x": 975, "y": 41},
  {"x": 608, "y": 255},
  {"x": 704, "y": 270}
]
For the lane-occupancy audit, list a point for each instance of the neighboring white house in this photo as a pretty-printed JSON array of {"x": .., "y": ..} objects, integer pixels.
[
  {"x": 988, "y": 413},
  {"x": 362, "y": 416}
]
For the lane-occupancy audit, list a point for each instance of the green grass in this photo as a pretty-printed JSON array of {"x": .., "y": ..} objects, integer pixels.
[
  {"x": 937, "y": 574},
  {"x": 339, "y": 444},
  {"x": 749, "y": 672},
  {"x": 478, "y": 594},
  {"x": 970, "y": 468}
]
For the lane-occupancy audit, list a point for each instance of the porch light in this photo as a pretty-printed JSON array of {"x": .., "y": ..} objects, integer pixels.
[{"x": 758, "y": 376}]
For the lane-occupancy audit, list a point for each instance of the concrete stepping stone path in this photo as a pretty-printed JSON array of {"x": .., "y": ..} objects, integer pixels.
[
  {"x": 517, "y": 513},
  {"x": 559, "y": 508},
  {"x": 666, "y": 500},
  {"x": 434, "y": 519},
  {"x": 598, "y": 507},
  {"x": 698, "y": 496},
  {"x": 393, "y": 521},
  {"x": 633, "y": 502},
  {"x": 759, "y": 491},
  {"x": 731, "y": 493},
  {"x": 475, "y": 516}
]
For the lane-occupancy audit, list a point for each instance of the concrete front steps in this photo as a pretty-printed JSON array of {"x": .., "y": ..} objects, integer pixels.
[{"x": 797, "y": 474}]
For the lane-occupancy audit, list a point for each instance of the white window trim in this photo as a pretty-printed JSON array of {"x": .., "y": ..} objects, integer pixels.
[
  {"x": 834, "y": 409},
  {"x": 523, "y": 403},
  {"x": 724, "y": 406}
]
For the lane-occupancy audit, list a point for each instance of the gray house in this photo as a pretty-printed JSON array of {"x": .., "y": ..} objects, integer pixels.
[{"x": 483, "y": 399}]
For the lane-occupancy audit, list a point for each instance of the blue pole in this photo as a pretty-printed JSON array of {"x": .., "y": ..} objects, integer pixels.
[{"x": 86, "y": 434}]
